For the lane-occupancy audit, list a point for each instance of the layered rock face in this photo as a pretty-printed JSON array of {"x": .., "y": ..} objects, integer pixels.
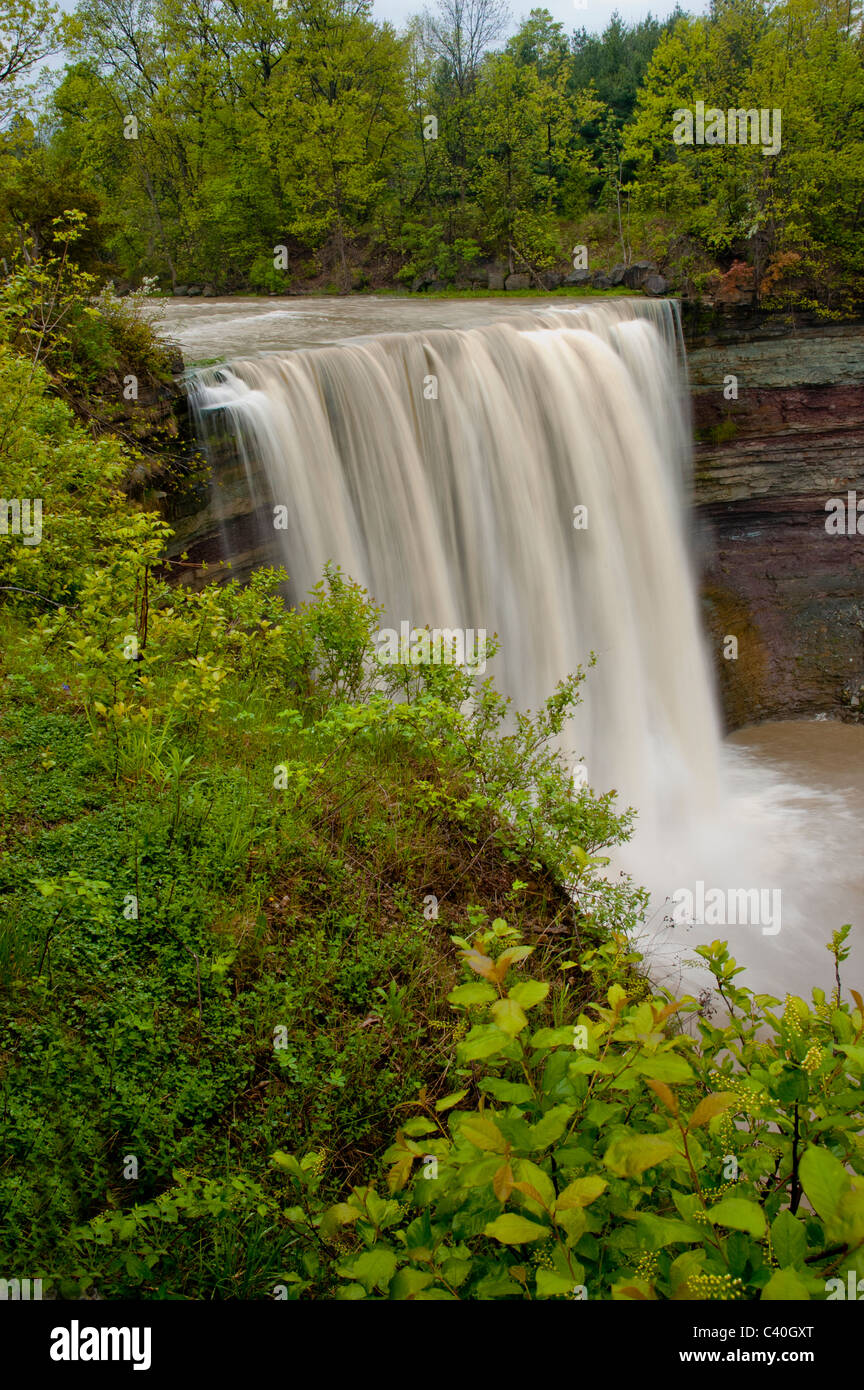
[{"x": 778, "y": 412}]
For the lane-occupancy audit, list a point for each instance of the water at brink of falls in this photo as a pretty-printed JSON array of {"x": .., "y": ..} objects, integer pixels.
[{"x": 441, "y": 467}]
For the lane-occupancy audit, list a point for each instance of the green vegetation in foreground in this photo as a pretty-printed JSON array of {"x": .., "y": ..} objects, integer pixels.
[{"x": 252, "y": 906}]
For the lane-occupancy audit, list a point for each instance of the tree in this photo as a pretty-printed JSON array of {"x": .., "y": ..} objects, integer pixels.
[
  {"x": 28, "y": 35},
  {"x": 460, "y": 31},
  {"x": 801, "y": 59},
  {"x": 540, "y": 42},
  {"x": 338, "y": 116}
]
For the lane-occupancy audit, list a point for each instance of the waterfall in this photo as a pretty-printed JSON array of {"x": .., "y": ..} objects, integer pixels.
[{"x": 441, "y": 470}]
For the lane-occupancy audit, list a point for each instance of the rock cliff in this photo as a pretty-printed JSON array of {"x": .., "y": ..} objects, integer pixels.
[{"x": 778, "y": 414}]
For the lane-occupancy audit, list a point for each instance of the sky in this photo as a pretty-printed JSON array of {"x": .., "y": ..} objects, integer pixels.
[{"x": 592, "y": 15}]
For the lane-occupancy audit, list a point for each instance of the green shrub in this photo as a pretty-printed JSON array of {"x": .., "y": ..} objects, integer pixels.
[{"x": 616, "y": 1155}]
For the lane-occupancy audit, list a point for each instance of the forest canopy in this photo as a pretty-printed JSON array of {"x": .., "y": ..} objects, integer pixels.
[{"x": 269, "y": 144}]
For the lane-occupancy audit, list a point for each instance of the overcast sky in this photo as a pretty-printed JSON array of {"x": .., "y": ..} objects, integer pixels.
[{"x": 594, "y": 15}]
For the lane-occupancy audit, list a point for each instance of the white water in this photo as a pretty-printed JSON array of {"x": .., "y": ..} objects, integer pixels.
[{"x": 457, "y": 512}]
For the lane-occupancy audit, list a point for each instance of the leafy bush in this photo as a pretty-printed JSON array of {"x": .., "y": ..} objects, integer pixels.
[
  {"x": 616, "y": 1155},
  {"x": 220, "y": 833},
  {"x": 51, "y": 314}
]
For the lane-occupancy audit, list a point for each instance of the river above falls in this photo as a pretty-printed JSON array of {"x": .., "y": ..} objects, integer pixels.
[
  {"x": 789, "y": 822},
  {"x": 207, "y": 330}
]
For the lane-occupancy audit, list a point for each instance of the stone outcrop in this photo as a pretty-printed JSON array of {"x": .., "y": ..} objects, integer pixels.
[{"x": 778, "y": 413}]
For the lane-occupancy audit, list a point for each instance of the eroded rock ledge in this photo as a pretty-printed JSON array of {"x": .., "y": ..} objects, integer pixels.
[{"x": 766, "y": 463}]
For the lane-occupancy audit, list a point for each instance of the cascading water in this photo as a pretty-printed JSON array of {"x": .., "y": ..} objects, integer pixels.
[{"x": 442, "y": 470}]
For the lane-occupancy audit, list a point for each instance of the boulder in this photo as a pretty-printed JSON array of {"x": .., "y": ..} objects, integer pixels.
[
  {"x": 552, "y": 279},
  {"x": 578, "y": 277},
  {"x": 194, "y": 290},
  {"x": 180, "y": 290},
  {"x": 602, "y": 281},
  {"x": 517, "y": 282},
  {"x": 496, "y": 280},
  {"x": 655, "y": 285},
  {"x": 636, "y": 274},
  {"x": 617, "y": 273},
  {"x": 424, "y": 281},
  {"x": 210, "y": 292}
]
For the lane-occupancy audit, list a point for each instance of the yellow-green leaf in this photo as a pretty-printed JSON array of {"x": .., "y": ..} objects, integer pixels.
[
  {"x": 483, "y": 1133},
  {"x": 784, "y": 1286},
  {"x": 710, "y": 1106},
  {"x": 511, "y": 1229},
  {"x": 509, "y": 1016},
  {"x": 528, "y": 993},
  {"x": 471, "y": 994},
  {"x": 662, "y": 1092},
  {"x": 447, "y": 1102},
  {"x": 631, "y": 1155},
  {"x": 739, "y": 1215},
  {"x": 581, "y": 1192}
]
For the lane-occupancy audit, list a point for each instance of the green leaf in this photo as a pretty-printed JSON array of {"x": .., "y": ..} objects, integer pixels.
[
  {"x": 511, "y": 1229},
  {"x": 824, "y": 1180},
  {"x": 419, "y": 1126},
  {"x": 472, "y": 994},
  {"x": 784, "y": 1286},
  {"x": 551, "y": 1284},
  {"x": 512, "y": 956},
  {"x": 788, "y": 1239},
  {"x": 447, "y": 1102},
  {"x": 288, "y": 1163},
  {"x": 655, "y": 1232},
  {"x": 409, "y": 1282},
  {"x": 528, "y": 993},
  {"x": 510, "y": 1016},
  {"x": 631, "y": 1155},
  {"x": 456, "y": 1271},
  {"x": 552, "y": 1037},
  {"x": 497, "y": 1284},
  {"x": 511, "y": 1092},
  {"x": 524, "y": 1171},
  {"x": 581, "y": 1192},
  {"x": 550, "y": 1126},
  {"x": 484, "y": 1040},
  {"x": 483, "y": 1133},
  {"x": 739, "y": 1215},
  {"x": 665, "y": 1066},
  {"x": 339, "y": 1215},
  {"x": 791, "y": 1086},
  {"x": 372, "y": 1268}
]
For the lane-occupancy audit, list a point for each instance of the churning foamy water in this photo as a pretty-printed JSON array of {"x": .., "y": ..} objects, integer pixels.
[{"x": 529, "y": 478}]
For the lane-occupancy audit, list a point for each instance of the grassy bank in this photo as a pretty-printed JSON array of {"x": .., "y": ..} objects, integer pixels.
[{"x": 203, "y": 967}]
